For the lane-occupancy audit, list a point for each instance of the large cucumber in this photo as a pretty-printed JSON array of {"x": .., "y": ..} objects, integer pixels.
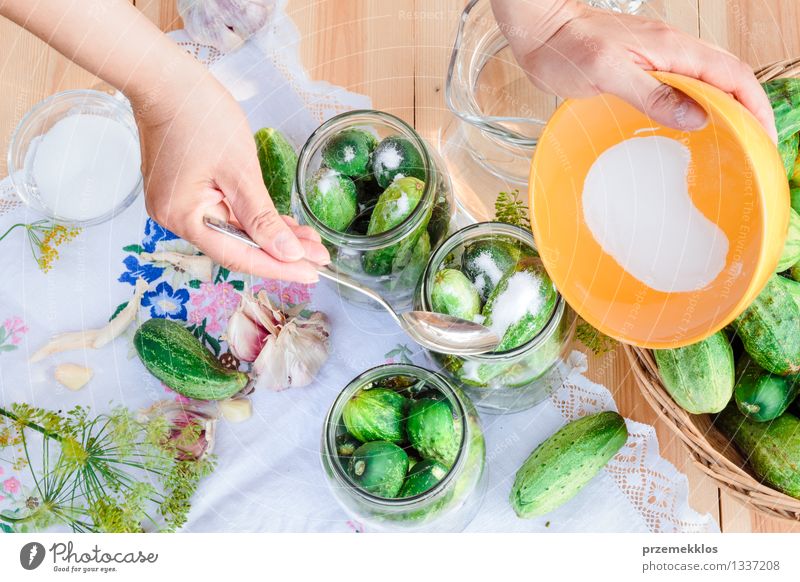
[
  {"x": 791, "y": 248},
  {"x": 769, "y": 327},
  {"x": 699, "y": 377},
  {"x": 278, "y": 162},
  {"x": 173, "y": 355},
  {"x": 564, "y": 463},
  {"x": 784, "y": 96},
  {"x": 762, "y": 396},
  {"x": 772, "y": 449}
]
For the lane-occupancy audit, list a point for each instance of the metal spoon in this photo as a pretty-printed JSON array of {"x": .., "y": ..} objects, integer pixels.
[{"x": 435, "y": 331}]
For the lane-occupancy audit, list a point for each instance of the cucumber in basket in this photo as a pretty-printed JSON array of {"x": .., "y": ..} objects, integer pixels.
[
  {"x": 772, "y": 449},
  {"x": 762, "y": 396},
  {"x": 699, "y": 377},
  {"x": 791, "y": 248},
  {"x": 768, "y": 328},
  {"x": 172, "y": 354}
]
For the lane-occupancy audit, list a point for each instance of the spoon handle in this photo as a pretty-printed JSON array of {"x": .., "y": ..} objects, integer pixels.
[{"x": 326, "y": 272}]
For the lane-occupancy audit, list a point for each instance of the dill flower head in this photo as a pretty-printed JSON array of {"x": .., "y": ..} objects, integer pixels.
[{"x": 54, "y": 236}]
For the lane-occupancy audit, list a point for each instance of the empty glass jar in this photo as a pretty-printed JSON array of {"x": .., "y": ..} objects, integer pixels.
[{"x": 446, "y": 507}]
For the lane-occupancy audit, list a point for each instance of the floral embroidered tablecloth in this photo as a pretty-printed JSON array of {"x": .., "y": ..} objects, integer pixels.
[{"x": 269, "y": 476}]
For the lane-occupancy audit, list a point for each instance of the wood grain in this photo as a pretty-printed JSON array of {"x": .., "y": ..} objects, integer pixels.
[{"x": 397, "y": 53}]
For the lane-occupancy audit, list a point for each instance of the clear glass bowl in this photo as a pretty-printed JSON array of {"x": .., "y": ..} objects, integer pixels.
[
  {"x": 507, "y": 381},
  {"x": 433, "y": 215},
  {"x": 41, "y": 118},
  {"x": 447, "y": 507}
]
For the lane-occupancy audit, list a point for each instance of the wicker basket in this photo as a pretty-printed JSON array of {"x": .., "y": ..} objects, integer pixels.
[{"x": 711, "y": 450}]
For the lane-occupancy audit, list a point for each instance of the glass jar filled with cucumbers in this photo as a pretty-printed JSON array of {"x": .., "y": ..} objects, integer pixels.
[
  {"x": 403, "y": 450},
  {"x": 379, "y": 198},
  {"x": 491, "y": 273}
]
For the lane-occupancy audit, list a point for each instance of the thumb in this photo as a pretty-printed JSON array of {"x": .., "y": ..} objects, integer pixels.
[
  {"x": 254, "y": 210},
  {"x": 660, "y": 102}
]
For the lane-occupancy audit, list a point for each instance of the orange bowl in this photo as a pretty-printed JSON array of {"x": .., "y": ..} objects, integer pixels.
[{"x": 737, "y": 182}]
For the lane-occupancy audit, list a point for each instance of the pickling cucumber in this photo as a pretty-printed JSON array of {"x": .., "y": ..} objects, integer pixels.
[
  {"x": 349, "y": 152},
  {"x": 700, "y": 376},
  {"x": 521, "y": 304},
  {"x": 396, "y": 157},
  {"x": 788, "y": 151},
  {"x": 278, "y": 162},
  {"x": 333, "y": 199},
  {"x": 453, "y": 294},
  {"x": 485, "y": 262},
  {"x": 772, "y": 449},
  {"x": 564, "y": 463},
  {"x": 784, "y": 96},
  {"x": 791, "y": 248},
  {"x": 423, "y": 476},
  {"x": 376, "y": 414},
  {"x": 762, "y": 396},
  {"x": 379, "y": 467},
  {"x": 768, "y": 327},
  {"x": 173, "y": 355},
  {"x": 432, "y": 431}
]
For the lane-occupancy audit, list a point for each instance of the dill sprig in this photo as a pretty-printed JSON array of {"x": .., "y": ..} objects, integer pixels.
[
  {"x": 104, "y": 473},
  {"x": 510, "y": 209},
  {"x": 44, "y": 238},
  {"x": 594, "y": 339}
]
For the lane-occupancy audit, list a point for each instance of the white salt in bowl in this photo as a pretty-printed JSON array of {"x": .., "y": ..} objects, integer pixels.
[
  {"x": 89, "y": 169},
  {"x": 653, "y": 258}
]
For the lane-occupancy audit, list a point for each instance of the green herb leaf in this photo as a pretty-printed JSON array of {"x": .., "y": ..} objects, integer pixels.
[
  {"x": 510, "y": 209},
  {"x": 119, "y": 308},
  {"x": 133, "y": 249}
]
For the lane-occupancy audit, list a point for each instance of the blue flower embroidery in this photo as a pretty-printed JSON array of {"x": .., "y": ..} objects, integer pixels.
[
  {"x": 136, "y": 270},
  {"x": 166, "y": 302},
  {"x": 153, "y": 233}
]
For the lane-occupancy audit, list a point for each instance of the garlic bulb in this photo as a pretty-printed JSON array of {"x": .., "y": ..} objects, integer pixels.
[
  {"x": 224, "y": 24},
  {"x": 286, "y": 349}
]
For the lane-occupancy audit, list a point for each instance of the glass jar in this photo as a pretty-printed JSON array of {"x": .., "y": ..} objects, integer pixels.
[
  {"x": 498, "y": 114},
  {"x": 512, "y": 380},
  {"x": 410, "y": 241},
  {"x": 449, "y": 505},
  {"x": 82, "y": 210}
]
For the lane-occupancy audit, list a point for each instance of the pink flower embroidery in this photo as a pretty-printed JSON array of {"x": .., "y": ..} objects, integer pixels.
[
  {"x": 1, "y": 470},
  {"x": 11, "y": 485},
  {"x": 214, "y": 303},
  {"x": 15, "y": 328},
  {"x": 286, "y": 293}
]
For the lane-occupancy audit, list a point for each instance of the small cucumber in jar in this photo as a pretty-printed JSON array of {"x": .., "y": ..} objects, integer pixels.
[
  {"x": 394, "y": 206},
  {"x": 172, "y": 354},
  {"x": 432, "y": 430},
  {"x": 422, "y": 477},
  {"x": 349, "y": 152},
  {"x": 521, "y": 304},
  {"x": 453, "y": 294},
  {"x": 379, "y": 467},
  {"x": 375, "y": 414},
  {"x": 396, "y": 157},
  {"x": 485, "y": 262},
  {"x": 332, "y": 199}
]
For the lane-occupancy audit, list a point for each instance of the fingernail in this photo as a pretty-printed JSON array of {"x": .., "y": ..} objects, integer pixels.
[
  {"x": 288, "y": 246},
  {"x": 689, "y": 115}
]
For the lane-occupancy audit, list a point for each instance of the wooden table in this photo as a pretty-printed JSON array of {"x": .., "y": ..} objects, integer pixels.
[{"x": 397, "y": 52}]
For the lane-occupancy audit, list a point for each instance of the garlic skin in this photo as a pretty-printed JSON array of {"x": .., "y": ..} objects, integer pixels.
[
  {"x": 73, "y": 376},
  {"x": 224, "y": 24},
  {"x": 95, "y": 338},
  {"x": 286, "y": 349}
]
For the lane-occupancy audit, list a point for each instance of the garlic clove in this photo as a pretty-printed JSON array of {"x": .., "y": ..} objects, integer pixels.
[
  {"x": 236, "y": 410},
  {"x": 245, "y": 337},
  {"x": 73, "y": 376},
  {"x": 72, "y": 340}
]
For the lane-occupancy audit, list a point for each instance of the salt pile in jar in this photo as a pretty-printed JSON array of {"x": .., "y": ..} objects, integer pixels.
[
  {"x": 637, "y": 206},
  {"x": 84, "y": 166}
]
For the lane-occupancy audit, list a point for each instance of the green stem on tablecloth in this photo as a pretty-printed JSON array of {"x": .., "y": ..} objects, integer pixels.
[{"x": 27, "y": 423}]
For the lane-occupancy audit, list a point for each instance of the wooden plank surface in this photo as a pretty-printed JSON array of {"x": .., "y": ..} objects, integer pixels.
[{"x": 397, "y": 52}]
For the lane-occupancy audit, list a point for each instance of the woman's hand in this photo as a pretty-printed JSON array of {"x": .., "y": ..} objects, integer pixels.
[
  {"x": 577, "y": 51},
  {"x": 199, "y": 158}
]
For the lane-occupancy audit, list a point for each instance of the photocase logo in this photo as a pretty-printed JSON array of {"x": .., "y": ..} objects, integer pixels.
[{"x": 31, "y": 555}]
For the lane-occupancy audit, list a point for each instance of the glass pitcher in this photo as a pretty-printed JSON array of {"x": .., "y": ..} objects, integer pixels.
[{"x": 498, "y": 113}]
